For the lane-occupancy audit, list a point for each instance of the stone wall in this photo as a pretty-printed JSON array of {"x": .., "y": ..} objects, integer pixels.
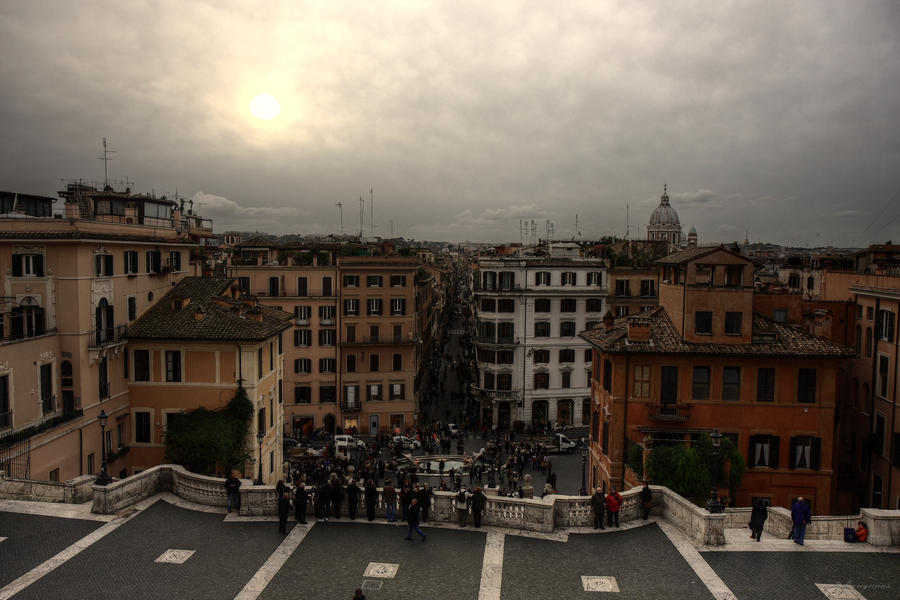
[{"x": 74, "y": 491}]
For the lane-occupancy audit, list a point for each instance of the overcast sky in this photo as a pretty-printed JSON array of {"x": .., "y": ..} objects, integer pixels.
[{"x": 464, "y": 117}]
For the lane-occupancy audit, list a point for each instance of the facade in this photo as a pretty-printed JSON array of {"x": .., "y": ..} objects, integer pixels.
[
  {"x": 664, "y": 224},
  {"x": 704, "y": 360},
  {"x": 532, "y": 369},
  {"x": 71, "y": 287}
]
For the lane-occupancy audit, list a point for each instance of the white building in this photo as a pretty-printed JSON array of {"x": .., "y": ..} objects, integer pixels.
[{"x": 532, "y": 369}]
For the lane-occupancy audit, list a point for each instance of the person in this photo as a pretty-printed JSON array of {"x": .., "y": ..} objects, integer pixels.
[
  {"x": 233, "y": 490},
  {"x": 352, "y": 498},
  {"x": 800, "y": 516},
  {"x": 862, "y": 532},
  {"x": 405, "y": 500},
  {"x": 371, "y": 497},
  {"x": 337, "y": 496},
  {"x": 322, "y": 501},
  {"x": 598, "y": 507},
  {"x": 462, "y": 506},
  {"x": 646, "y": 500},
  {"x": 301, "y": 498},
  {"x": 613, "y": 504},
  {"x": 358, "y": 595},
  {"x": 390, "y": 500},
  {"x": 758, "y": 517},
  {"x": 284, "y": 505},
  {"x": 479, "y": 500},
  {"x": 425, "y": 495},
  {"x": 412, "y": 520}
]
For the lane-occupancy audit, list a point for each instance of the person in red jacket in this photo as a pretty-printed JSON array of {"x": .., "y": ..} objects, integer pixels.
[{"x": 613, "y": 504}]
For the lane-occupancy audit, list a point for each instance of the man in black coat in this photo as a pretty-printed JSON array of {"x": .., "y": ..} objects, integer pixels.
[
  {"x": 479, "y": 500},
  {"x": 323, "y": 499},
  {"x": 412, "y": 519},
  {"x": 337, "y": 496},
  {"x": 371, "y": 497},
  {"x": 352, "y": 498},
  {"x": 758, "y": 519},
  {"x": 301, "y": 498},
  {"x": 598, "y": 507},
  {"x": 424, "y": 497},
  {"x": 646, "y": 500}
]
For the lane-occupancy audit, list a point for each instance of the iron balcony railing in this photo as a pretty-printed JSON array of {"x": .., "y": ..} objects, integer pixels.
[
  {"x": 109, "y": 336},
  {"x": 670, "y": 412}
]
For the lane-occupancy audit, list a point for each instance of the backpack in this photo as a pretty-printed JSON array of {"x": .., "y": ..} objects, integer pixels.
[{"x": 461, "y": 498}]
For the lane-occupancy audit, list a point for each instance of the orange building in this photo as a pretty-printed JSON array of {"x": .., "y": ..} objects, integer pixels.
[
  {"x": 704, "y": 360},
  {"x": 193, "y": 348}
]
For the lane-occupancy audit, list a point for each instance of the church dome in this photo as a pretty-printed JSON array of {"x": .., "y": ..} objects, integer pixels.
[{"x": 664, "y": 213}]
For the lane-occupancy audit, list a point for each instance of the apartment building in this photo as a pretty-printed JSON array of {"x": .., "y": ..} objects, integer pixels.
[
  {"x": 533, "y": 369},
  {"x": 71, "y": 286},
  {"x": 703, "y": 360}
]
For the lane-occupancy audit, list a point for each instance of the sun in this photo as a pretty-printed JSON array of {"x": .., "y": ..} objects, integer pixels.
[{"x": 264, "y": 106}]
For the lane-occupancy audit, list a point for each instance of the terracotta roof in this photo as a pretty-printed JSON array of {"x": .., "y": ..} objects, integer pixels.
[
  {"x": 689, "y": 254},
  {"x": 771, "y": 339},
  {"x": 257, "y": 242},
  {"x": 223, "y": 318}
]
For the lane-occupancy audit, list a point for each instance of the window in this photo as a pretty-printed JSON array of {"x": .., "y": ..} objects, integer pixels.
[
  {"x": 351, "y": 306},
  {"x": 90, "y": 464},
  {"x": 734, "y": 323},
  {"x": 488, "y": 380},
  {"x": 566, "y": 379},
  {"x": 542, "y": 305},
  {"x": 142, "y": 427},
  {"x": 374, "y": 306},
  {"x": 858, "y": 340},
  {"x": 731, "y": 383},
  {"x": 327, "y": 394},
  {"x": 271, "y": 356},
  {"x": 303, "y": 286},
  {"x": 668, "y": 391},
  {"x": 700, "y": 384},
  {"x": 567, "y": 328},
  {"x": 326, "y": 287},
  {"x": 302, "y": 365},
  {"x": 374, "y": 281},
  {"x": 351, "y": 363},
  {"x": 244, "y": 284},
  {"x": 259, "y": 362},
  {"x": 374, "y": 363},
  {"x": 303, "y": 313},
  {"x": 398, "y": 306},
  {"x": 621, "y": 311},
  {"x": 398, "y": 333},
  {"x": 489, "y": 280},
  {"x": 131, "y": 262},
  {"x": 541, "y": 356},
  {"x": 302, "y": 337},
  {"x": 326, "y": 315},
  {"x": 763, "y": 451},
  {"x": 541, "y": 381},
  {"x": 397, "y": 362},
  {"x": 780, "y": 315},
  {"x": 641, "y": 381},
  {"x": 351, "y": 333},
  {"x": 103, "y": 265},
  {"x": 153, "y": 261},
  {"x": 142, "y": 365},
  {"x": 569, "y": 278},
  {"x": 5, "y": 417},
  {"x": 885, "y": 325},
  {"x": 542, "y": 329},
  {"x": 567, "y": 305},
  {"x": 506, "y": 305},
  {"x": 132, "y": 308},
  {"x": 607, "y": 375},
  {"x": 302, "y": 394},
  {"x": 595, "y": 278},
  {"x": 326, "y": 337},
  {"x": 806, "y": 385},
  {"x": 505, "y": 357},
  {"x": 594, "y": 305},
  {"x": 542, "y": 278},
  {"x": 272, "y": 461},
  {"x": 28, "y": 265},
  {"x": 271, "y": 411},
  {"x": 623, "y": 287},
  {"x": 702, "y": 322},
  {"x": 54, "y": 475},
  {"x": 398, "y": 391},
  {"x": 810, "y": 283},
  {"x": 567, "y": 355},
  {"x": 488, "y": 305},
  {"x": 398, "y": 281},
  {"x": 868, "y": 342},
  {"x": 46, "y": 378},
  {"x": 175, "y": 260},
  {"x": 507, "y": 280},
  {"x": 878, "y": 434},
  {"x": 373, "y": 333},
  {"x": 765, "y": 384},
  {"x": 487, "y": 331},
  {"x": 588, "y": 355},
  {"x": 327, "y": 365},
  {"x": 374, "y": 392},
  {"x": 351, "y": 281},
  {"x": 103, "y": 377},
  {"x": 805, "y": 452},
  {"x": 648, "y": 288},
  {"x": 504, "y": 381},
  {"x": 883, "y": 363}
]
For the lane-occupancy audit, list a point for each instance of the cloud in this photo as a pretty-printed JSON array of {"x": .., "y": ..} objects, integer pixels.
[
  {"x": 219, "y": 206},
  {"x": 848, "y": 213},
  {"x": 701, "y": 198}
]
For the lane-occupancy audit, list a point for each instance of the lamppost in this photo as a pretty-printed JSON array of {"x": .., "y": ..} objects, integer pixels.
[
  {"x": 104, "y": 478},
  {"x": 584, "y": 455},
  {"x": 259, "y": 440},
  {"x": 713, "y": 505}
]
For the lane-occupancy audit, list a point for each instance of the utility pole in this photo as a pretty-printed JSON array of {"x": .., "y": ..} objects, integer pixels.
[
  {"x": 372, "y": 210},
  {"x": 362, "y": 213},
  {"x": 340, "y": 206},
  {"x": 105, "y": 158}
]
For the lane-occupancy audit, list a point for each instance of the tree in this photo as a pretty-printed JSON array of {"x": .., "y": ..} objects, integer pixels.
[
  {"x": 211, "y": 441},
  {"x": 688, "y": 470}
]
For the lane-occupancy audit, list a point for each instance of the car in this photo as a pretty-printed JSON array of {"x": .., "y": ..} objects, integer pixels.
[
  {"x": 348, "y": 440},
  {"x": 407, "y": 443},
  {"x": 454, "y": 430}
]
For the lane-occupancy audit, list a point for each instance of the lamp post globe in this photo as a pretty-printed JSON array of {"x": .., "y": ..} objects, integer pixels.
[{"x": 104, "y": 478}]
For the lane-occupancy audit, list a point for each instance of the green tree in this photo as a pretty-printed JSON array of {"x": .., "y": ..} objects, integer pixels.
[
  {"x": 688, "y": 470},
  {"x": 211, "y": 441}
]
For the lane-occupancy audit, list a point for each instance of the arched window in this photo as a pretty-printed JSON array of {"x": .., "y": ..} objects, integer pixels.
[
  {"x": 26, "y": 320},
  {"x": 867, "y": 398},
  {"x": 868, "y": 341},
  {"x": 104, "y": 322},
  {"x": 858, "y": 339}
]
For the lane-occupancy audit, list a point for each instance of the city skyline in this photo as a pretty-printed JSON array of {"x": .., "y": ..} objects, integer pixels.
[{"x": 464, "y": 119}]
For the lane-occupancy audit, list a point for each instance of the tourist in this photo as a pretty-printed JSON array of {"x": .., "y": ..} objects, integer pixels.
[
  {"x": 358, "y": 595},
  {"x": 322, "y": 495},
  {"x": 800, "y": 515},
  {"x": 352, "y": 498},
  {"x": 389, "y": 494},
  {"x": 758, "y": 517},
  {"x": 233, "y": 491},
  {"x": 613, "y": 504},
  {"x": 412, "y": 520},
  {"x": 371, "y": 497},
  {"x": 425, "y": 495},
  {"x": 284, "y": 505},
  {"x": 405, "y": 500},
  {"x": 646, "y": 500},
  {"x": 462, "y": 507},
  {"x": 479, "y": 500},
  {"x": 337, "y": 496},
  {"x": 301, "y": 498},
  {"x": 862, "y": 532},
  {"x": 598, "y": 507}
]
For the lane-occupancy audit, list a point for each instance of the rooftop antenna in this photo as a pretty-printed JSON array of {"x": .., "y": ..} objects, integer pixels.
[
  {"x": 362, "y": 213},
  {"x": 105, "y": 158},
  {"x": 577, "y": 233},
  {"x": 372, "y": 210},
  {"x": 391, "y": 221},
  {"x": 340, "y": 206},
  {"x": 627, "y": 225}
]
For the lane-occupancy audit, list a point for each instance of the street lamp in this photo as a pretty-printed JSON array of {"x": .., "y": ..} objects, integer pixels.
[
  {"x": 104, "y": 478},
  {"x": 259, "y": 440},
  {"x": 584, "y": 455},
  {"x": 713, "y": 505}
]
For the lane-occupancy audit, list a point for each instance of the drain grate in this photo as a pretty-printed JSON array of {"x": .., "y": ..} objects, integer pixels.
[{"x": 372, "y": 585}]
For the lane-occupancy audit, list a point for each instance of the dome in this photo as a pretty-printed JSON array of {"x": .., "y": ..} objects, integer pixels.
[{"x": 664, "y": 215}]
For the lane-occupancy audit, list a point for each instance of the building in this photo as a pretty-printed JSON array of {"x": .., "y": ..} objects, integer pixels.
[
  {"x": 633, "y": 275},
  {"x": 193, "y": 348},
  {"x": 664, "y": 224},
  {"x": 703, "y": 360},
  {"x": 72, "y": 283},
  {"x": 533, "y": 369}
]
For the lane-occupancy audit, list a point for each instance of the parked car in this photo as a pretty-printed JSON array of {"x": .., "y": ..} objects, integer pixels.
[
  {"x": 406, "y": 443},
  {"x": 349, "y": 440}
]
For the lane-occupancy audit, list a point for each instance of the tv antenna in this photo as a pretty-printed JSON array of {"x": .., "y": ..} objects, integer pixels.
[
  {"x": 105, "y": 158},
  {"x": 340, "y": 206}
]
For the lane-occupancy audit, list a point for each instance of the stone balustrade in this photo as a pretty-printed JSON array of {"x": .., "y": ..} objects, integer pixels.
[
  {"x": 74, "y": 491},
  {"x": 883, "y": 525}
]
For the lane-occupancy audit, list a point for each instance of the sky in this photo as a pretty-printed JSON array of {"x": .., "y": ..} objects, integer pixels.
[{"x": 777, "y": 120}]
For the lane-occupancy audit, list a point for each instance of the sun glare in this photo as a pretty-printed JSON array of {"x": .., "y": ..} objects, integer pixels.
[{"x": 265, "y": 107}]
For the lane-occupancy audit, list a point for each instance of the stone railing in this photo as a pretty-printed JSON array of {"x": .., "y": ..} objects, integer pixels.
[
  {"x": 883, "y": 525},
  {"x": 74, "y": 491},
  {"x": 697, "y": 523},
  {"x": 110, "y": 499}
]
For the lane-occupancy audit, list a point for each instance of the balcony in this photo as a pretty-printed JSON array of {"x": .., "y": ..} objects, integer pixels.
[
  {"x": 670, "y": 412},
  {"x": 351, "y": 406},
  {"x": 366, "y": 340},
  {"x": 326, "y": 321},
  {"x": 109, "y": 336},
  {"x": 499, "y": 395}
]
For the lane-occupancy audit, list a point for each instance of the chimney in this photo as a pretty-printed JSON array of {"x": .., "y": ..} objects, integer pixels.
[
  {"x": 199, "y": 313},
  {"x": 608, "y": 321},
  {"x": 255, "y": 314},
  {"x": 638, "y": 329}
]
